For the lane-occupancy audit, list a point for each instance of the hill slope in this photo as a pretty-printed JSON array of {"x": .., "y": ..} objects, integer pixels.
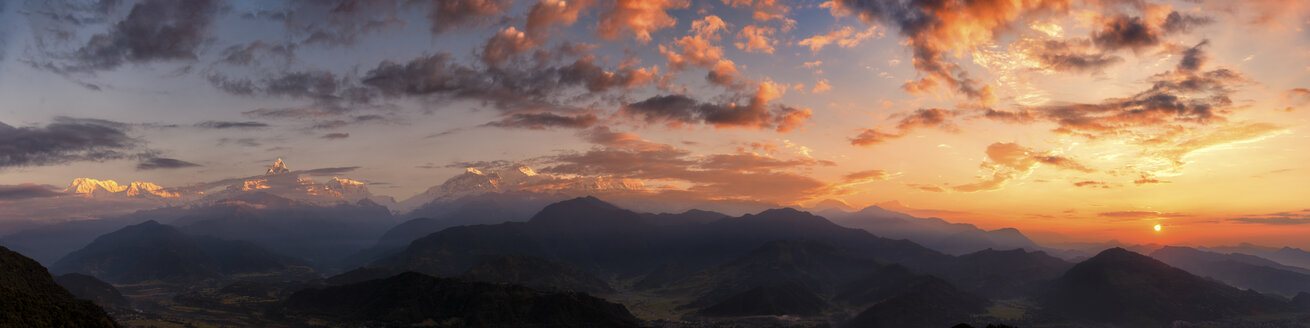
[
  {"x": 29, "y": 297},
  {"x": 1122, "y": 287},
  {"x": 414, "y": 298}
]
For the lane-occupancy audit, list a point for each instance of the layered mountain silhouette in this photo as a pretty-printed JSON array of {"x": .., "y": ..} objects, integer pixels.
[
  {"x": 778, "y": 268},
  {"x": 928, "y": 302},
  {"x": 1240, "y": 270},
  {"x": 95, "y": 290},
  {"x": 935, "y": 233},
  {"x": 154, "y": 251},
  {"x": 787, "y": 298},
  {"x": 570, "y": 231},
  {"x": 1283, "y": 255},
  {"x": 29, "y": 297},
  {"x": 1011, "y": 273},
  {"x": 536, "y": 273},
  {"x": 1121, "y": 287},
  {"x": 417, "y": 299}
]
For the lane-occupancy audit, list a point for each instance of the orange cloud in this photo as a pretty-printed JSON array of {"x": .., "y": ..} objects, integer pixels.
[
  {"x": 639, "y": 17},
  {"x": 756, "y": 39},
  {"x": 845, "y": 37}
]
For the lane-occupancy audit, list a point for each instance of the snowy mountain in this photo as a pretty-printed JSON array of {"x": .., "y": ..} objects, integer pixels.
[{"x": 521, "y": 178}]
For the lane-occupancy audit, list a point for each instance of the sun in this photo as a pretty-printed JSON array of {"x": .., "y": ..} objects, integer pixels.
[{"x": 1157, "y": 227}]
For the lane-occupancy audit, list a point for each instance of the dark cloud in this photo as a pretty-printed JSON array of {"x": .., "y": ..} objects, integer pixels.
[
  {"x": 253, "y": 52},
  {"x": 676, "y": 110},
  {"x": 908, "y": 122},
  {"x": 451, "y": 14},
  {"x": 27, "y": 191},
  {"x": 155, "y": 163},
  {"x": 336, "y": 135},
  {"x": 231, "y": 125},
  {"x": 352, "y": 120},
  {"x": 1179, "y": 98},
  {"x": 63, "y": 141},
  {"x": 1069, "y": 56},
  {"x": 327, "y": 171},
  {"x": 1182, "y": 23},
  {"x": 1125, "y": 32},
  {"x": 542, "y": 121},
  {"x": 154, "y": 30}
]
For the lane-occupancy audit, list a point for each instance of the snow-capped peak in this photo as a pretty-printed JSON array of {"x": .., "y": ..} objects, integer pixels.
[
  {"x": 91, "y": 188},
  {"x": 278, "y": 167}
]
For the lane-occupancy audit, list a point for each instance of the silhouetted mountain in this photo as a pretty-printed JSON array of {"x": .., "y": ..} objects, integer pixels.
[
  {"x": 536, "y": 273},
  {"x": 690, "y": 217},
  {"x": 930, "y": 302},
  {"x": 322, "y": 235},
  {"x": 1009, "y": 273},
  {"x": 361, "y": 275},
  {"x": 95, "y": 290},
  {"x": 934, "y": 233},
  {"x": 1301, "y": 302},
  {"x": 814, "y": 267},
  {"x": 885, "y": 282},
  {"x": 603, "y": 239},
  {"x": 788, "y": 298},
  {"x": 1118, "y": 286},
  {"x": 489, "y": 208},
  {"x": 29, "y": 297},
  {"x": 414, "y": 298},
  {"x": 153, "y": 251},
  {"x": 49, "y": 243},
  {"x": 1244, "y": 271},
  {"x": 1285, "y": 255}
]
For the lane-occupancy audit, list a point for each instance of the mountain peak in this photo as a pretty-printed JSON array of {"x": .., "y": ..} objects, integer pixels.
[{"x": 278, "y": 167}]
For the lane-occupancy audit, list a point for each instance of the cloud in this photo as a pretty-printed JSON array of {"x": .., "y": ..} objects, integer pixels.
[
  {"x": 1091, "y": 184},
  {"x": 155, "y": 163},
  {"x": 821, "y": 86},
  {"x": 1124, "y": 32},
  {"x": 63, "y": 141},
  {"x": 933, "y": 28},
  {"x": 1181, "y": 23},
  {"x": 1009, "y": 161},
  {"x": 542, "y": 121},
  {"x": 756, "y": 113},
  {"x": 547, "y": 13},
  {"x": 753, "y": 38},
  {"x": 448, "y": 15},
  {"x": 1275, "y": 219},
  {"x": 27, "y": 191},
  {"x": 154, "y": 30},
  {"x": 845, "y": 37},
  {"x": 504, "y": 44},
  {"x": 921, "y": 118},
  {"x": 621, "y": 140},
  {"x": 336, "y": 135},
  {"x": 230, "y": 125},
  {"x": 638, "y": 17},
  {"x": 1066, "y": 55},
  {"x": 1138, "y": 214},
  {"x": 867, "y": 175},
  {"x": 698, "y": 49},
  {"x": 740, "y": 176}
]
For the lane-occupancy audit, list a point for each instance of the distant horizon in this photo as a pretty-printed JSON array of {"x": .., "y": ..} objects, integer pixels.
[{"x": 1070, "y": 120}]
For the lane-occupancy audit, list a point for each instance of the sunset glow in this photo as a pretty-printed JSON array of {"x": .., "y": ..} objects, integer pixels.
[{"x": 1071, "y": 120}]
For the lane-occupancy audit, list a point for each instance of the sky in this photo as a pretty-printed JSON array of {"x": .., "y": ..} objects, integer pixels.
[{"x": 1069, "y": 119}]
